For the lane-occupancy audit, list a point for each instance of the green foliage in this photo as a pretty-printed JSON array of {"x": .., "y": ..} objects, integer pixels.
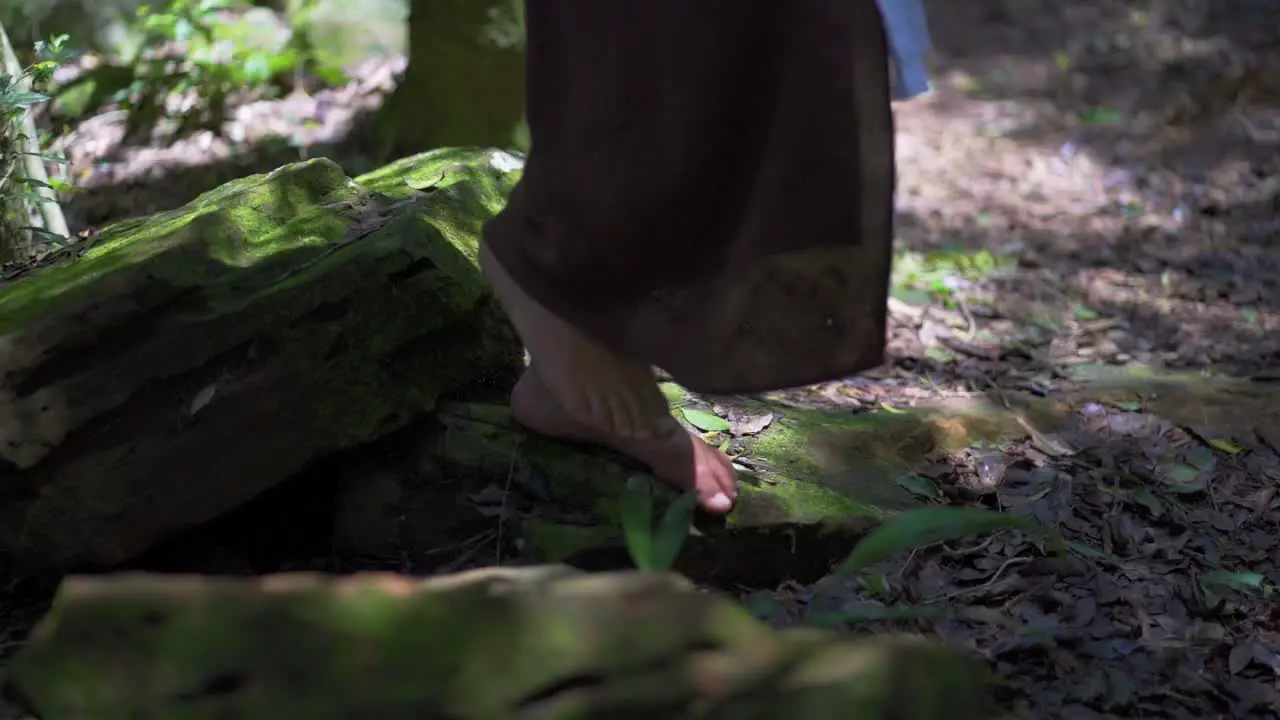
[
  {"x": 705, "y": 421},
  {"x": 916, "y": 528},
  {"x": 654, "y": 547},
  {"x": 941, "y": 272},
  {"x": 22, "y": 191},
  {"x": 204, "y": 50}
]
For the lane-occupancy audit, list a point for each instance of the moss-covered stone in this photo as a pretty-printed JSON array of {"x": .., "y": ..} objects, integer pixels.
[
  {"x": 535, "y": 643},
  {"x": 193, "y": 358},
  {"x": 812, "y": 482}
]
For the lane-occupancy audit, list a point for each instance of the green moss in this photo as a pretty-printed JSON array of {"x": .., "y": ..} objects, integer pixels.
[
  {"x": 797, "y": 502},
  {"x": 676, "y": 396},
  {"x": 393, "y": 317},
  {"x": 490, "y": 172},
  {"x": 446, "y": 236},
  {"x": 364, "y": 393},
  {"x": 240, "y": 224}
]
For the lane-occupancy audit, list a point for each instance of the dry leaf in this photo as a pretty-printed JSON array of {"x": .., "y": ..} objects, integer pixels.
[
  {"x": 750, "y": 424},
  {"x": 202, "y": 398},
  {"x": 1240, "y": 657}
]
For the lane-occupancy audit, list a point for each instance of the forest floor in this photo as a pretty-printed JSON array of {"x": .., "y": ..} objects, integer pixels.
[{"x": 1092, "y": 190}]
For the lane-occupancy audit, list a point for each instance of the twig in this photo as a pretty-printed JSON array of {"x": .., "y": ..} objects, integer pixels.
[
  {"x": 506, "y": 494},
  {"x": 1264, "y": 137},
  {"x": 972, "y": 329},
  {"x": 990, "y": 581}
]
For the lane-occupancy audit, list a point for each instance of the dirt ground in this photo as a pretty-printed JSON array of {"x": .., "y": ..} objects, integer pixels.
[{"x": 1093, "y": 187}]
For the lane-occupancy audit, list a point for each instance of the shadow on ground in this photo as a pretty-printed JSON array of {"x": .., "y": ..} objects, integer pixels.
[{"x": 1119, "y": 159}]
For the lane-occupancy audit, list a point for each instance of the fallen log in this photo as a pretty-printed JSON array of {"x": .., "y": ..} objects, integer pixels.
[
  {"x": 813, "y": 482},
  {"x": 541, "y": 642},
  {"x": 192, "y": 359}
]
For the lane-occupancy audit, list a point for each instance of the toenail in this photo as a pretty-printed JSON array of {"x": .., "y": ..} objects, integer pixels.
[{"x": 720, "y": 501}]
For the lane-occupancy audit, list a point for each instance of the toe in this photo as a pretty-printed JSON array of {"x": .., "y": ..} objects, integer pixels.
[
  {"x": 727, "y": 480},
  {"x": 717, "y": 504},
  {"x": 716, "y": 481}
]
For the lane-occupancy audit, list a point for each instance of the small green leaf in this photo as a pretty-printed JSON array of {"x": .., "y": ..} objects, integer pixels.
[
  {"x": 32, "y": 182},
  {"x": 635, "y": 506},
  {"x": 940, "y": 355},
  {"x": 1179, "y": 473},
  {"x": 1090, "y": 552},
  {"x": 1086, "y": 314},
  {"x": 912, "y": 296},
  {"x": 36, "y": 198},
  {"x": 653, "y": 548},
  {"x": 705, "y": 421},
  {"x": 1201, "y": 457},
  {"x": 877, "y": 585},
  {"x": 1102, "y": 116},
  {"x": 1226, "y": 445},
  {"x": 672, "y": 530},
  {"x": 24, "y": 99},
  {"x": 919, "y": 485},
  {"x": 1181, "y": 478},
  {"x": 47, "y": 158},
  {"x": 1148, "y": 500},
  {"x": 925, "y": 526},
  {"x": 1235, "y": 580}
]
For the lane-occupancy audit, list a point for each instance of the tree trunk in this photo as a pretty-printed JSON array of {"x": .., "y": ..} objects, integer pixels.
[{"x": 465, "y": 82}]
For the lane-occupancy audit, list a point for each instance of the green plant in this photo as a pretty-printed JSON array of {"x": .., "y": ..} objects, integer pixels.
[
  {"x": 917, "y": 528},
  {"x": 654, "y": 547},
  {"x": 202, "y": 51},
  {"x": 941, "y": 272},
  {"x": 24, "y": 184}
]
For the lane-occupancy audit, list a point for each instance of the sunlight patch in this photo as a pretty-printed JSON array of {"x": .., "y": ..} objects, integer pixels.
[{"x": 505, "y": 162}]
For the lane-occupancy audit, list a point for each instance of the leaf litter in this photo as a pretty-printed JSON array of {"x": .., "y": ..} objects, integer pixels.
[
  {"x": 1069, "y": 218},
  {"x": 1135, "y": 284}
]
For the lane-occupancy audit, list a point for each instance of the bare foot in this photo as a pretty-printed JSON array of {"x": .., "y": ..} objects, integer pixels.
[
  {"x": 675, "y": 455},
  {"x": 593, "y": 385}
]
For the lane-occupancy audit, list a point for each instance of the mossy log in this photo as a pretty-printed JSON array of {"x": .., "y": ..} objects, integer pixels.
[
  {"x": 192, "y": 359},
  {"x": 540, "y": 642},
  {"x": 813, "y": 483}
]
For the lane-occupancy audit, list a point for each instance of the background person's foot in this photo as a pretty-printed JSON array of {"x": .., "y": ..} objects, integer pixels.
[
  {"x": 673, "y": 454},
  {"x": 592, "y": 384}
]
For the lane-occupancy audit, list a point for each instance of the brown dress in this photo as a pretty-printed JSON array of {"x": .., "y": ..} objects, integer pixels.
[{"x": 710, "y": 185}]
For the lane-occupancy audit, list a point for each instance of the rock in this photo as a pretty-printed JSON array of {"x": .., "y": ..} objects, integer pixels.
[
  {"x": 813, "y": 483},
  {"x": 539, "y": 642},
  {"x": 194, "y": 358}
]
